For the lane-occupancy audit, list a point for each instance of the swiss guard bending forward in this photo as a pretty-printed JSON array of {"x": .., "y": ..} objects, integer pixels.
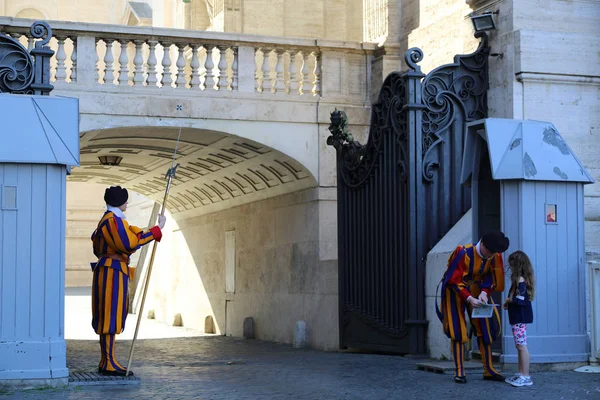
[
  {"x": 474, "y": 271},
  {"x": 114, "y": 241}
]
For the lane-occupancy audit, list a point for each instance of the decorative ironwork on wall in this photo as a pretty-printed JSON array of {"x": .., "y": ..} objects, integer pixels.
[
  {"x": 22, "y": 72},
  {"x": 400, "y": 193}
]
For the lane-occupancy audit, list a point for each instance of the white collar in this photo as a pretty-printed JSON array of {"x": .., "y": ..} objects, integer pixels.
[
  {"x": 116, "y": 211},
  {"x": 478, "y": 248}
]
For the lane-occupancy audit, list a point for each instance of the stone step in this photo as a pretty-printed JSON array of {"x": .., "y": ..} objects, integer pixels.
[
  {"x": 447, "y": 367},
  {"x": 94, "y": 378}
]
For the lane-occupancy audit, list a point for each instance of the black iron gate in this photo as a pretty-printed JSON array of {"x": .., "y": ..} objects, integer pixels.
[{"x": 399, "y": 194}]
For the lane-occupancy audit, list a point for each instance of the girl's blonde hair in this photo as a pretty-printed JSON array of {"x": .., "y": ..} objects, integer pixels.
[{"x": 520, "y": 266}]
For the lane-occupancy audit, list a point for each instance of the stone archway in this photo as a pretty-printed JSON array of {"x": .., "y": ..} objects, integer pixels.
[
  {"x": 218, "y": 170},
  {"x": 225, "y": 184}
]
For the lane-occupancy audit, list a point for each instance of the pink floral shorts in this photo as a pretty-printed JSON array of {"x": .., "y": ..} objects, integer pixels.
[{"x": 520, "y": 334}]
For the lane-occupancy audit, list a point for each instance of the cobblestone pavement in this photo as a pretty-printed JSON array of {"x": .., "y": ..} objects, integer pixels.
[{"x": 223, "y": 368}]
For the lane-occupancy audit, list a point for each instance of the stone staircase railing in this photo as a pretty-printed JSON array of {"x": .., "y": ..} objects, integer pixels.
[{"x": 121, "y": 56}]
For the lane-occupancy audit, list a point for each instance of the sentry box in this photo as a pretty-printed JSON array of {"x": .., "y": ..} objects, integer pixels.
[
  {"x": 527, "y": 182},
  {"x": 39, "y": 142}
]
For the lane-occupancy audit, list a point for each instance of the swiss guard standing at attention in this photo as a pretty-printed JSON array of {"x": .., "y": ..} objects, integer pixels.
[
  {"x": 474, "y": 271},
  {"x": 114, "y": 242}
]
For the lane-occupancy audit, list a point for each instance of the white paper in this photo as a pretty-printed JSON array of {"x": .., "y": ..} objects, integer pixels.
[{"x": 485, "y": 311}]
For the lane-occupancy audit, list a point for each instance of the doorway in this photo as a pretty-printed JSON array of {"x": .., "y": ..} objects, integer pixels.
[{"x": 488, "y": 212}]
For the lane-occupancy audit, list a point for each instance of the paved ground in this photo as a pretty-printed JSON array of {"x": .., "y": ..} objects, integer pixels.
[
  {"x": 219, "y": 368},
  {"x": 235, "y": 369}
]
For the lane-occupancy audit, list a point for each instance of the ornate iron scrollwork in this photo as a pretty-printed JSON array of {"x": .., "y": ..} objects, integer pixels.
[
  {"x": 388, "y": 113},
  {"x": 391, "y": 210},
  {"x": 22, "y": 72},
  {"x": 451, "y": 89},
  {"x": 16, "y": 66}
]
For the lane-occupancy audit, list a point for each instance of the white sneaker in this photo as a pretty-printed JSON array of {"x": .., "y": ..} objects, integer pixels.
[
  {"x": 512, "y": 378},
  {"x": 521, "y": 381}
]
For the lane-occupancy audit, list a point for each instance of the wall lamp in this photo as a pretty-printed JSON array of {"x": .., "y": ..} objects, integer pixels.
[
  {"x": 484, "y": 21},
  {"x": 110, "y": 160}
]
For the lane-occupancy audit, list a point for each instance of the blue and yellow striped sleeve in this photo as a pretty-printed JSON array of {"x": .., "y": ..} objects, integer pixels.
[{"x": 127, "y": 239}]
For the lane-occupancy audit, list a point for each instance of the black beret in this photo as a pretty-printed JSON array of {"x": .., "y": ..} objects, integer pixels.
[
  {"x": 116, "y": 196},
  {"x": 495, "y": 241}
]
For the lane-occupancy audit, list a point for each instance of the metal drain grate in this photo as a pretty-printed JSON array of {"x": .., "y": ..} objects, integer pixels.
[{"x": 94, "y": 378}]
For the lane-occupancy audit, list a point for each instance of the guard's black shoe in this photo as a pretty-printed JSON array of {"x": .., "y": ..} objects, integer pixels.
[
  {"x": 495, "y": 377},
  {"x": 460, "y": 379}
]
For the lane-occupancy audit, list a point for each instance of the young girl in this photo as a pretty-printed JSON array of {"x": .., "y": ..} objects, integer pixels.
[{"x": 520, "y": 313}]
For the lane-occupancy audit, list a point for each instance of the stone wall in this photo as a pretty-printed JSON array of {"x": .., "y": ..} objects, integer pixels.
[
  {"x": 285, "y": 269},
  {"x": 441, "y": 28},
  {"x": 318, "y": 19},
  {"x": 103, "y": 11}
]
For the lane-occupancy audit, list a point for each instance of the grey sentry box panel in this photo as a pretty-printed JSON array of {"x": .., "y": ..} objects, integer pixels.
[
  {"x": 40, "y": 140},
  {"x": 526, "y": 181}
]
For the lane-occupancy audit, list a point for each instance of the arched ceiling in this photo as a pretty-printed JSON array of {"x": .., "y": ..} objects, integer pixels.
[{"x": 217, "y": 170}]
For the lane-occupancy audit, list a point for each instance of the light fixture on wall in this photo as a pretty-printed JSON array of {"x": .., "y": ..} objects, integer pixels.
[
  {"x": 110, "y": 160},
  {"x": 484, "y": 21}
]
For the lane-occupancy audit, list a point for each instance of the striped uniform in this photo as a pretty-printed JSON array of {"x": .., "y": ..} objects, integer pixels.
[
  {"x": 114, "y": 240},
  {"x": 468, "y": 275}
]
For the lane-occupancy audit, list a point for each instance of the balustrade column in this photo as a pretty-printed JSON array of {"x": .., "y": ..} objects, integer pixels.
[
  {"x": 109, "y": 76},
  {"x": 222, "y": 67},
  {"x": 279, "y": 84},
  {"x": 316, "y": 89},
  {"x": 181, "y": 78},
  {"x": 266, "y": 70},
  {"x": 294, "y": 73},
  {"x": 152, "y": 80},
  {"x": 233, "y": 80},
  {"x": 30, "y": 42},
  {"x": 195, "y": 65},
  {"x": 138, "y": 62},
  {"x": 123, "y": 63},
  {"x": 61, "y": 56},
  {"x": 97, "y": 63},
  {"x": 74, "y": 61},
  {"x": 166, "y": 63},
  {"x": 305, "y": 86},
  {"x": 210, "y": 82}
]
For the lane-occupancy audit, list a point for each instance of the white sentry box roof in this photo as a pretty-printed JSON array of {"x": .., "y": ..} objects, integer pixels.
[
  {"x": 39, "y": 129},
  {"x": 529, "y": 150}
]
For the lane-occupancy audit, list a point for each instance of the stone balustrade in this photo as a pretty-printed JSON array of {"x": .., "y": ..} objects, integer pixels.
[{"x": 144, "y": 57}]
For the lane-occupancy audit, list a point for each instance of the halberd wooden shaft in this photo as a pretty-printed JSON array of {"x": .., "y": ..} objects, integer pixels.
[{"x": 170, "y": 175}]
